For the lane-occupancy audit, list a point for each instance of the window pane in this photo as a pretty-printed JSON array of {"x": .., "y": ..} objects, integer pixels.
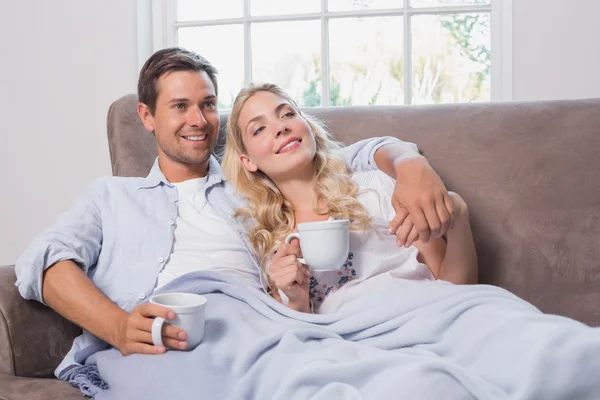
[
  {"x": 272, "y": 7},
  {"x": 226, "y": 54},
  {"x": 195, "y": 10},
  {"x": 366, "y": 61},
  {"x": 451, "y": 58},
  {"x": 440, "y": 3},
  {"x": 289, "y": 54},
  {"x": 348, "y": 5}
]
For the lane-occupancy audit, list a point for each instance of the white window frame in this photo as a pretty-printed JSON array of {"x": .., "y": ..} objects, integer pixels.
[{"x": 158, "y": 25}]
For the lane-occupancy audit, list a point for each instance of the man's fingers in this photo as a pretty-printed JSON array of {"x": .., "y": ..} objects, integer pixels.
[
  {"x": 138, "y": 336},
  {"x": 175, "y": 344},
  {"x": 174, "y": 341},
  {"x": 143, "y": 348},
  {"x": 154, "y": 310},
  {"x": 450, "y": 207},
  {"x": 433, "y": 220},
  {"x": 396, "y": 204},
  {"x": 420, "y": 223},
  {"x": 144, "y": 324},
  {"x": 399, "y": 218},
  {"x": 172, "y": 332},
  {"x": 403, "y": 231},
  {"x": 443, "y": 215}
]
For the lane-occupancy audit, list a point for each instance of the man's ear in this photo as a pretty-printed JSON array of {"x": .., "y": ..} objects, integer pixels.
[
  {"x": 248, "y": 164},
  {"x": 146, "y": 117}
]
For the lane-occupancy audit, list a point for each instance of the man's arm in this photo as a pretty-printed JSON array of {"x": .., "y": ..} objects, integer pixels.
[
  {"x": 53, "y": 270},
  {"x": 419, "y": 190},
  {"x": 76, "y": 236},
  {"x": 362, "y": 155},
  {"x": 69, "y": 291}
]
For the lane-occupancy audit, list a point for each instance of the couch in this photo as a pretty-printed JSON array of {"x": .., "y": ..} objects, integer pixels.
[{"x": 529, "y": 171}]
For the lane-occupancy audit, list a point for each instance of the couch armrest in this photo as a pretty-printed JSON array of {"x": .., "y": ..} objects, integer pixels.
[{"x": 33, "y": 338}]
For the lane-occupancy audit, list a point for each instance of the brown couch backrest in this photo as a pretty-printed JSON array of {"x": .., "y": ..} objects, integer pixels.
[{"x": 529, "y": 172}]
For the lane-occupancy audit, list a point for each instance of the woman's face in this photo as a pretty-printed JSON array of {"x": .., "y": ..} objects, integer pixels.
[{"x": 278, "y": 140}]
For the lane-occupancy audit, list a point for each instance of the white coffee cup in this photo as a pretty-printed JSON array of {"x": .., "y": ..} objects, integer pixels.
[
  {"x": 189, "y": 309},
  {"x": 325, "y": 244}
]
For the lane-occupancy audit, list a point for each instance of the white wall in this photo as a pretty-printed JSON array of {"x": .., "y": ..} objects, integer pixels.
[
  {"x": 556, "y": 54},
  {"x": 62, "y": 64}
]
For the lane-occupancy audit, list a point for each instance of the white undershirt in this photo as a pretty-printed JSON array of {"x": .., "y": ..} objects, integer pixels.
[{"x": 204, "y": 241}]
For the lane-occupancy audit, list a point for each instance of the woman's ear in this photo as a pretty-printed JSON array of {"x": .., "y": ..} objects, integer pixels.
[{"x": 248, "y": 164}]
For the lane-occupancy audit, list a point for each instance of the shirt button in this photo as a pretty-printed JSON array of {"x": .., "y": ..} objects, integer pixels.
[
  {"x": 142, "y": 296},
  {"x": 171, "y": 223},
  {"x": 160, "y": 259}
]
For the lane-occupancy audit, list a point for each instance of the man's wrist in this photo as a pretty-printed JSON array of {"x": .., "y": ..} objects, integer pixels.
[
  {"x": 402, "y": 163},
  {"x": 119, "y": 327}
]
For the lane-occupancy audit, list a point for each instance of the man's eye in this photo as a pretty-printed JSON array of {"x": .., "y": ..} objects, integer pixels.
[
  {"x": 259, "y": 130},
  {"x": 209, "y": 105},
  {"x": 179, "y": 106}
]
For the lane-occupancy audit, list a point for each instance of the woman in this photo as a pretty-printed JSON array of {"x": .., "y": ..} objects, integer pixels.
[{"x": 284, "y": 163}]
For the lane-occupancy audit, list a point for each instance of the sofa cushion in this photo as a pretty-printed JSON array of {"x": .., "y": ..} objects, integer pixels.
[{"x": 16, "y": 388}]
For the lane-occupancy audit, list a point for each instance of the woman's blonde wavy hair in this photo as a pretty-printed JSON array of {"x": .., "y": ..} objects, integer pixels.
[{"x": 266, "y": 205}]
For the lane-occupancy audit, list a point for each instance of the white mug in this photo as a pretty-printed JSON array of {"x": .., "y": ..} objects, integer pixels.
[
  {"x": 325, "y": 244},
  {"x": 189, "y": 309}
]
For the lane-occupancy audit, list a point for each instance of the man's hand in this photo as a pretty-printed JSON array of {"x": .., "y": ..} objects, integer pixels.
[
  {"x": 135, "y": 331},
  {"x": 420, "y": 193},
  {"x": 291, "y": 276}
]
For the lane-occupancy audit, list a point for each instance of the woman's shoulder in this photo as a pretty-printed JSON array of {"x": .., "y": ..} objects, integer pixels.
[{"x": 375, "y": 192}]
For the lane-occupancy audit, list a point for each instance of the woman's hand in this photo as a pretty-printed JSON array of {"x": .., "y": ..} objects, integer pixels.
[
  {"x": 460, "y": 206},
  {"x": 291, "y": 276}
]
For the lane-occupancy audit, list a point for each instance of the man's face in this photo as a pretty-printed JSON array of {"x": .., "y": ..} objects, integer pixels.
[{"x": 185, "y": 123}]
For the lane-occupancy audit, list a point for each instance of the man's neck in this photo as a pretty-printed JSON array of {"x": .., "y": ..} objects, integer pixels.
[{"x": 177, "y": 172}]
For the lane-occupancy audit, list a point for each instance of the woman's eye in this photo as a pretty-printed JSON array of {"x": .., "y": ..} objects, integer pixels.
[
  {"x": 259, "y": 130},
  {"x": 289, "y": 114}
]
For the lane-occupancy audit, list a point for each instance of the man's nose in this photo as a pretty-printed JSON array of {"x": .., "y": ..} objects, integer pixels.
[{"x": 196, "y": 118}]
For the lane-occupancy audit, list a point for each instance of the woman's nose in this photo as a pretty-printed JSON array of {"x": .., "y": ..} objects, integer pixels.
[{"x": 283, "y": 128}]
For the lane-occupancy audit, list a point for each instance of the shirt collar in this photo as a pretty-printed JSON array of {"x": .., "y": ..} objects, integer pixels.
[{"x": 156, "y": 177}]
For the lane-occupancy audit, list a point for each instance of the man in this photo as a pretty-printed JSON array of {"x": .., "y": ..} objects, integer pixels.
[{"x": 127, "y": 236}]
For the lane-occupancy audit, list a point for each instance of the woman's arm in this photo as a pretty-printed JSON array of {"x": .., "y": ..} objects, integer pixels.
[{"x": 455, "y": 261}]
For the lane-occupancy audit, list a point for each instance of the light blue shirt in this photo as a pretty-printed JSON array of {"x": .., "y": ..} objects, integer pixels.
[{"x": 120, "y": 231}]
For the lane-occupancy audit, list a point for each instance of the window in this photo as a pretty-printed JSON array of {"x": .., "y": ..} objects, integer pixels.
[{"x": 348, "y": 52}]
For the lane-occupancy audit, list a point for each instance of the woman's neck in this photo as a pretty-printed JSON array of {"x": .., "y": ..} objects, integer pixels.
[{"x": 300, "y": 192}]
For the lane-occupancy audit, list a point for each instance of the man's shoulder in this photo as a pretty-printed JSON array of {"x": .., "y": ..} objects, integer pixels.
[
  {"x": 110, "y": 185},
  {"x": 119, "y": 182}
]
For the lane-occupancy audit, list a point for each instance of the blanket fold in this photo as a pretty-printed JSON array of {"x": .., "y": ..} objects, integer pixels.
[{"x": 429, "y": 340}]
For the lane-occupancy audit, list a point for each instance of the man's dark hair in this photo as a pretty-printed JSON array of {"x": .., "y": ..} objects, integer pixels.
[{"x": 169, "y": 60}]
